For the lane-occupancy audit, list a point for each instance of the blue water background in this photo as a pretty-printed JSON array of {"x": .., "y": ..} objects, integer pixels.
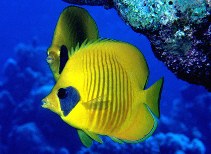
[{"x": 27, "y": 27}]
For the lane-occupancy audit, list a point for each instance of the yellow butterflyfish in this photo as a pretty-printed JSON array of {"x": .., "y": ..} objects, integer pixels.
[
  {"x": 74, "y": 26},
  {"x": 100, "y": 90}
]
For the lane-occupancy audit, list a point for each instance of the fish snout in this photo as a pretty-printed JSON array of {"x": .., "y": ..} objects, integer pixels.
[
  {"x": 52, "y": 104},
  {"x": 45, "y": 102}
]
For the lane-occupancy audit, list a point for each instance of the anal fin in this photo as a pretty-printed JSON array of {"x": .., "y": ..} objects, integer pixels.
[
  {"x": 116, "y": 140},
  {"x": 147, "y": 125}
]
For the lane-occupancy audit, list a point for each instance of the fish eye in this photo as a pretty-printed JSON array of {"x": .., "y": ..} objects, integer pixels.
[
  {"x": 50, "y": 57},
  {"x": 62, "y": 93},
  {"x": 68, "y": 98}
]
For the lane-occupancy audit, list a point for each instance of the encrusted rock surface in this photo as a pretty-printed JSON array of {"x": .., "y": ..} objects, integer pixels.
[
  {"x": 179, "y": 32},
  {"x": 105, "y": 3}
]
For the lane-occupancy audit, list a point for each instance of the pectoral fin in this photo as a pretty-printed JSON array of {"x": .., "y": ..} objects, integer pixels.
[{"x": 99, "y": 103}]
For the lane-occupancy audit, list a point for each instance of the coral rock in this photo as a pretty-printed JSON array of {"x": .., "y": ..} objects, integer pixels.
[{"x": 105, "y": 3}]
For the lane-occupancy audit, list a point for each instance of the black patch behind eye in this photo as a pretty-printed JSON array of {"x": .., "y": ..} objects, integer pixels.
[
  {"x": 63, "y": 57},
  {"x": 62, "y": 93},
  {"x": 71, "y": 99}
]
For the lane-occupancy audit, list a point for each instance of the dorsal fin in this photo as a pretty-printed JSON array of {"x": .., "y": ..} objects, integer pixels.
[
  {"x": 87, "y": 43},
  {"x": 75, "y": 25}
]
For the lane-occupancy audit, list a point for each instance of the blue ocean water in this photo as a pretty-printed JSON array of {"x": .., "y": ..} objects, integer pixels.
[{"x": 25, "y": 127}]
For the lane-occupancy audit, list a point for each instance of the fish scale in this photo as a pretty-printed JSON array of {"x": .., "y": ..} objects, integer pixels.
[
  {"x": 91, "y": 92},
  {"x": 120, "y": 100},
  {"x": 99, "y": 111},
  {"x": 108, "y": 92},
  {"x": 103, "y": 116},
  {"x": 112, "y": 108},
  {"x": 117, "y": 112}
]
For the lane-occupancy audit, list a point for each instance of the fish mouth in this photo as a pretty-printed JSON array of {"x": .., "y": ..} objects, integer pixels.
[
  {"x": 50, "y": 106},
  {"x": 46, "y": 103}
]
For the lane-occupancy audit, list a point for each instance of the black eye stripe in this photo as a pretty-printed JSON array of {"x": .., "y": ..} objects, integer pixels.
[
  {"x": 68, "y": 98},
  {"x": 63, "y": 57},
  {"x": 62, "y": 93}
]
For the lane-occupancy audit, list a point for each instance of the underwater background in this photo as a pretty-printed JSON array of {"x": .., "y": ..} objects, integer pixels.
[{"x": 25, "y": 127}]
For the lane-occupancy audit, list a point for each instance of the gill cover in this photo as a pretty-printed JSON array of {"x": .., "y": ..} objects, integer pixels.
[{"x": 74, "y": 26}]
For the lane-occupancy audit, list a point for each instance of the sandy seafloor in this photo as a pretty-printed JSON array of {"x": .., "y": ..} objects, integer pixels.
[{"x": 26, "y": 31}]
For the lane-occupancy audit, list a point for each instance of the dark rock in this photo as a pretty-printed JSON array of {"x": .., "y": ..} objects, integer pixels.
[{"x": 106, "y": 3}]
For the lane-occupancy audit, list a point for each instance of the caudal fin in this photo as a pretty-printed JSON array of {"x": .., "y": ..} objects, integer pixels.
[{"x": 152, "y": 97}]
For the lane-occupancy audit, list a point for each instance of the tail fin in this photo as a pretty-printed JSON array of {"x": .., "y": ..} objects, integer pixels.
[{"x": 152, "y": 97}]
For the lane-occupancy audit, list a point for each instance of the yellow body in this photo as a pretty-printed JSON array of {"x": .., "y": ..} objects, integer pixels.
[
  {"x": 110, "y": 77},
  {"x": 105, "y": 74}
]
